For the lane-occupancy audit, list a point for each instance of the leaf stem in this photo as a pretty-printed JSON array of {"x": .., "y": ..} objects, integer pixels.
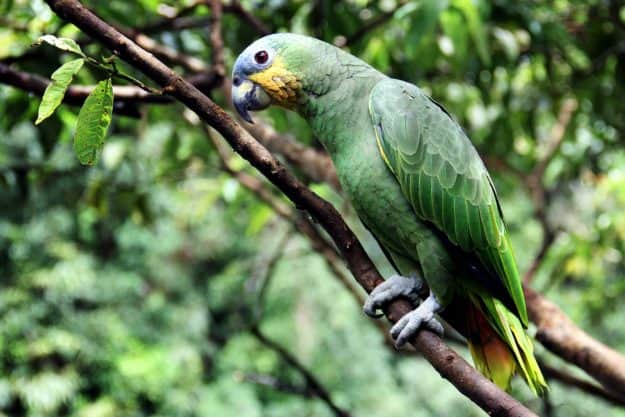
[{"x": 111, "y": 69}]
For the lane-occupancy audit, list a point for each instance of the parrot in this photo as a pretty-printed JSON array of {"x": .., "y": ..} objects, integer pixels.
[{"x": 419, "y": 186}]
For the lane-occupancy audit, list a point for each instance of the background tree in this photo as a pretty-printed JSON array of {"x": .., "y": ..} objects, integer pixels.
[{"x": 168, "y": 278}]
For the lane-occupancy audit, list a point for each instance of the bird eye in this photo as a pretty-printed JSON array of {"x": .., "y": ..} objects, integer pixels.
[{"x": 261, "y": 57}]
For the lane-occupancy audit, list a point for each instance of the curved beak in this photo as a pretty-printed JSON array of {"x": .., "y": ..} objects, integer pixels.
[{"x": 246, "y": 96}]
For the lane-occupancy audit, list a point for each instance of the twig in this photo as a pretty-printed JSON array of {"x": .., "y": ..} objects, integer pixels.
[
  {"x": 263, "y": 272},
  {"x": 368, "y": 27},
  {"x": 237, "y": 9},
  {"x": 553, "y": 145},
  {"x": 126, "y": 96},
  {"x": 169, "y": 55},
  {"x": 216, "y": 40},
  {"x": 274, "y": 383},
  {"x": 535, "y": 185},
  {"x": 447, "y": 362},
  {"x": 75, "y": 94},
  {"x": 311, "y": 381},
  {"x": 169, "y": 21},
  {"x": 183, "y": 21},
  {"x": 548, "y": 239}
]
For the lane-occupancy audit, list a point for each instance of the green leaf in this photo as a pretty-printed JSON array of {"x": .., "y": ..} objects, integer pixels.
[
  {"x": 423, "y": 24},
  {"x": 93, "y": 121},
  {"x": 64, "y": 44},
  {"x": 53, "y": 96},
  {"x": 427, "y": 17},
  {"x": 475, "y": 27},
  {"x": 405, "y": 10}
]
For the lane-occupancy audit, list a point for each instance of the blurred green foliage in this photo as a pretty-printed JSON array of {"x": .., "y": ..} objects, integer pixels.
[{"x": 128, "y": 288}]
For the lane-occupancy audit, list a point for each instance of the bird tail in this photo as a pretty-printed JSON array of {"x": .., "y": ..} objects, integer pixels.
[{"x": 499, "y": 345}]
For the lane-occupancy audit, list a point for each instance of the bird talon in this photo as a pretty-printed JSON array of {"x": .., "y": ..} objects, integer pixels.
[
  {"x": 422, "y": 316},
  {"x": 394, "y": 287}
]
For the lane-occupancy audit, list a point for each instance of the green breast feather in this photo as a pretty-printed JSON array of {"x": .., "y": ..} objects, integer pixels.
[{"x": 443, "y": 177}]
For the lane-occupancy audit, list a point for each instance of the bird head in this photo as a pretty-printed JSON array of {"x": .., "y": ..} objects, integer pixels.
[{"x": 271, "y": 71}]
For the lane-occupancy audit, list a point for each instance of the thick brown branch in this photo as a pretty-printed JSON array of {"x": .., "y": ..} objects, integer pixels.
[
  {"x": 316, "y": 165},
  {"x": 303, "y": 226},
  {"x": 561, "y": 336},
  {"x": 447, "y": 362},
  {"x": 311, "y": 381}
]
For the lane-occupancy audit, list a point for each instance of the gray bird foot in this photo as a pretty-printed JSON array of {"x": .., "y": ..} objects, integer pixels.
[
  {"x": 423, "y": 315},
  {"x": 394, "y": 287}
]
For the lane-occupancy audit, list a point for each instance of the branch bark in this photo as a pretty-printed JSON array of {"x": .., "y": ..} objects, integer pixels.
[
  {"x": 315, "y": 164},
  {"x": 552, "y": 373},
  {"x": 561, "y": 336},
  {"x": 447, "y": 362}
]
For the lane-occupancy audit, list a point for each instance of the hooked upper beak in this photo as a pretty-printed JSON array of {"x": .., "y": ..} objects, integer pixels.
[{"x": 247, "y": 95}]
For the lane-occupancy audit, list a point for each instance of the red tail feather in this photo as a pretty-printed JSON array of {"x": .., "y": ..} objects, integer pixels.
[{"x": 491, "y": 355}]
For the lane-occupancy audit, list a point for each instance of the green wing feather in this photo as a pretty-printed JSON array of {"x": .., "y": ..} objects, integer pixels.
[{"x": 444, "y": 178}]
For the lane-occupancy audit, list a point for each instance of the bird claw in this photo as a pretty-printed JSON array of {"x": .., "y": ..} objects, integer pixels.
[
  {"x": 394, "y": 287},
  {"x": 422, "y": 316}
]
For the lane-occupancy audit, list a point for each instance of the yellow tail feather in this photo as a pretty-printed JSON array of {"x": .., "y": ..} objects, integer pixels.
[{"x": 500, "y": 347}]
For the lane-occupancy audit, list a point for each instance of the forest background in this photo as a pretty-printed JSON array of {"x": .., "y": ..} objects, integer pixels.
[{"x": 170, "y": 279}]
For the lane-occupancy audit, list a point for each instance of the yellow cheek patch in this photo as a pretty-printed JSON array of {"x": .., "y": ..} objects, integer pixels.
[{"x": 281, "y": 84}]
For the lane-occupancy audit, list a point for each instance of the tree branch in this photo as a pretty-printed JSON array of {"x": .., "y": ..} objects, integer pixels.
[
  {"x": 190, "y": 63},
  {"x": 315, "y": 164},
  {"x": 305, "y": 227},
  {"x": 448, "y": 363},
  {"x": 535, "y": 183},
  {"x": 312, "y": 382},
  {"x": 558, "y": 334},
  {"x": 75, "y": 94},
  {"x": 126, "y": 96},
  {"x": 216, "y": 39},
  {"x": 582, "y": 385},
  {"x": 237, "y": 9}
]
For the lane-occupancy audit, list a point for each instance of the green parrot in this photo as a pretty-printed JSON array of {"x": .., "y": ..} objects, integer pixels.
[{"x": 419, "y": 186}]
